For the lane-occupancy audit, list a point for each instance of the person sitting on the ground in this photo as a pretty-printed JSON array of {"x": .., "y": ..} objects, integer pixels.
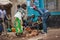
[
  {"x": 29, "y": 22},
  {"x": 34, "y": 22}
]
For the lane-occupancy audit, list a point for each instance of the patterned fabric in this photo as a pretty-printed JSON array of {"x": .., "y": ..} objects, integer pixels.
[
  {"x": 18, "y": 27},
  {"x": 17, "y": 22},
  {"x": 23, "y": 13}
]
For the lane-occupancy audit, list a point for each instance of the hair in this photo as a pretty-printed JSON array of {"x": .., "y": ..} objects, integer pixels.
[
  {"x": 18, "y": 6},
  {"x": 23, "y": 6}
]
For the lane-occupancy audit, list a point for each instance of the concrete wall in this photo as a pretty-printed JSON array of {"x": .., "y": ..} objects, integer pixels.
[{"x": 59, "y": 5}]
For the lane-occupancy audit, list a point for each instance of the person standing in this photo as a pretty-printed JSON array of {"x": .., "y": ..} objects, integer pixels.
[
  {"x": 18, "y": 21},
  {"x": 2, "y": 17},
  {"x": 44, "y": 16}
]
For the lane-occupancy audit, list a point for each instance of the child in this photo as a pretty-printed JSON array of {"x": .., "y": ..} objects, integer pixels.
[{"x": 9, "y": 21}]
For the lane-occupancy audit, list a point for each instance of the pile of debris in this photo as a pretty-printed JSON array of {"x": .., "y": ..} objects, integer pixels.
[{"x": 30, "y": 33}]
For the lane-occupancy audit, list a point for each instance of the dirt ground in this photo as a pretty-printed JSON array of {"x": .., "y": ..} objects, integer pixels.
[{"x": 53, "y": 34}]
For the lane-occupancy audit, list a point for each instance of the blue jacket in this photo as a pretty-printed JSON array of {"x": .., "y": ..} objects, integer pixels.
[{"x": 44, "y": 13}]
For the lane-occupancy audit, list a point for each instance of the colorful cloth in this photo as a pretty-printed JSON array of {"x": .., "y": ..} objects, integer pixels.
[{"x": 18, "y": 26}]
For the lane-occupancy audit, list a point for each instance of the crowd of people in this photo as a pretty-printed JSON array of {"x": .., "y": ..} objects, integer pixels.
[
  {"x": 22, "y": 19},
  {"x": 30, "y": 21},
  {"x": 4, "y": 19}
]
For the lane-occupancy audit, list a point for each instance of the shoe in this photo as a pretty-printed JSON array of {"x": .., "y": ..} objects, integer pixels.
[
  {"x": 42, "y": 32},
  {"x": 45, "y": 35}
]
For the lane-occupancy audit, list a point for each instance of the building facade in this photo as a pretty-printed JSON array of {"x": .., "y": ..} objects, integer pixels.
[{"x": 52, "y": 5}]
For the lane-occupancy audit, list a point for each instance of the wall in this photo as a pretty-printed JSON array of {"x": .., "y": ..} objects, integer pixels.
[{"x": 59, "y": 4}]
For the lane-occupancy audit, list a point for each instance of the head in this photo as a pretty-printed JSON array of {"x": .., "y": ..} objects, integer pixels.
[
  {"x": 2, "y": 7},
  {"x": 33, "y": 16},
  {"x": 18, "y": 6},
  {"x": 35, "y": 7},
  {"x": 39, "y": 18},
  {"x": 23, "y": 6}
]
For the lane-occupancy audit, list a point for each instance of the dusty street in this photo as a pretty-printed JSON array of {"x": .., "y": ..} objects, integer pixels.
[{"x": 53, "y": 34}]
